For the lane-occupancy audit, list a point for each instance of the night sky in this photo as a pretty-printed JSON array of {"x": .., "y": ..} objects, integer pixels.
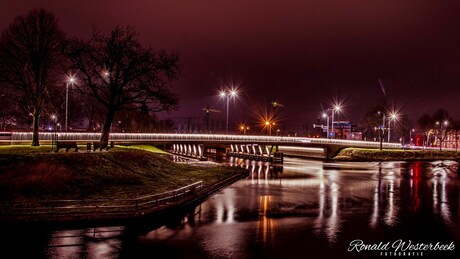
[{"x": 302, "y": 53}]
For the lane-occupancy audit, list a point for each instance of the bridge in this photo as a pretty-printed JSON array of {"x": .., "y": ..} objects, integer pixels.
[{"x": 195, "y": 144}]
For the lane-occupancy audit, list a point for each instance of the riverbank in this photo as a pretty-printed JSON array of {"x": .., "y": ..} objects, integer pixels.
[
  {"x": 365, "y": 155},
  {"x": 32, "y": 178}
]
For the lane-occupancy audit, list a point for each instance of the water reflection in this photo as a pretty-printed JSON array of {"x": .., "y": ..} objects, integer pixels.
[
  {"x": 265, "y": 225},
  {"x": 102, "y": 242},
  {"x": 302, "y": 205},
  {"x": 440, "y": 201},
  {"x": 328, "y": 218}
]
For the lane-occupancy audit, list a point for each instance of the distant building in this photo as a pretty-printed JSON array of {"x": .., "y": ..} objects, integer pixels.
[
  {"x": 451, "y": 140},
  {"x": 346, "y": 130}
]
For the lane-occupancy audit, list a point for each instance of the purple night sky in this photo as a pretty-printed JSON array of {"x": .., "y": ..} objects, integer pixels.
[{"x": 302, "y": 53}]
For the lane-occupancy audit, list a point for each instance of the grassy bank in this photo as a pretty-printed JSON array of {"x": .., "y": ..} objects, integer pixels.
[
  {"x": 361, "y": 154},
  {"x": 36, "y": 173}
]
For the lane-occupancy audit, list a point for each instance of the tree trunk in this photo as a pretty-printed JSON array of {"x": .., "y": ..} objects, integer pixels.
[
  {"x": 90, "y": 123},
  {"x": 456, "y": 140},
  {"x": 107, "y": 125},
  {"x": 35, "y": 136}
]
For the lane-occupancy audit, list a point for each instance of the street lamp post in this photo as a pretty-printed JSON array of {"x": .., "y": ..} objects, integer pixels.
[
  {"x": 228, "y": 93},
  {"x": 327, "y": 123},
  {"x": 335, "y": 109},
  {"x": 269, "y": 125},
  {"x": 393, "y": 117},
  {"x": 71, "y": 80},
  {"x": 410, "y": 136}
]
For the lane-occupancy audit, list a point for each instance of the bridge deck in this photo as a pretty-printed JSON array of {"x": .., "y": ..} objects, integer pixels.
[{"x": 21, "y": 137}]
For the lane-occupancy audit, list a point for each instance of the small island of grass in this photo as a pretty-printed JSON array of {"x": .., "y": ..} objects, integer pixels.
[{"x": 363, "y": 154}]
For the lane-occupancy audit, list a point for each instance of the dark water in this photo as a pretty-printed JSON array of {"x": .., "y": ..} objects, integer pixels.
[{"x": 304, "y": 209}]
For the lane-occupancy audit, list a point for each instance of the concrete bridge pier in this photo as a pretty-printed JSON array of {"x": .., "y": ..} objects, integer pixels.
[
  {"x": 256, "y": 152},
  {"x": 189, "y": 150}
]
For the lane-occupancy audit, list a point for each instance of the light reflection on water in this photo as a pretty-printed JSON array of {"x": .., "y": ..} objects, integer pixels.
[{"x": 277, "y": 211}]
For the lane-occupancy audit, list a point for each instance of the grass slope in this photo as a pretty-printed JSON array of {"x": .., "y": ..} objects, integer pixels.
[
  {"x": 362, "y": 154},
  {"x": 119, "y": 173}
]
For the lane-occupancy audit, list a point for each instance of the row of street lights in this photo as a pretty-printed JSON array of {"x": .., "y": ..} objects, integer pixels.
[
  {"x": 393, "y": 116},
  {"x": 230, "y": 93}
]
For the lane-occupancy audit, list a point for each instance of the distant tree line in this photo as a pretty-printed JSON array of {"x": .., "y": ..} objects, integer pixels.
[
  {"x": 433, "y": 128},
  {"x": 118, "y": 84}
]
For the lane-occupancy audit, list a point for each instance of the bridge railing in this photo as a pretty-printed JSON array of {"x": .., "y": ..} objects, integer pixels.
[{"x": 18, "y": 137}]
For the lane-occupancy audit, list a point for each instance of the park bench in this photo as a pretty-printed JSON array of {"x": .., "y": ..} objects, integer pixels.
[
  {"x": 67, "y": 145},
  {"x": 102, "y": 145}
]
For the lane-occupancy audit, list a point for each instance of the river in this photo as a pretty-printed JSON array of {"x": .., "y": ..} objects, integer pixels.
[{"x": 303, "y": 209}]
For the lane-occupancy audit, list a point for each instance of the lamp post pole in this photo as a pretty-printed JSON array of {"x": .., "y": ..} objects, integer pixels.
[
  {"x": 325, "y": 115},
  {"x": 228, "y": 99},
  {"x": 333, "y": 110},
  {"x": 53, "y": 142},
  {"x": 70, "y": 80},
  {"x": 66, "y": 104},
  {"x": 389, "y": 130},
  {"x": 393, "y": 117},
  {"x": 410, "y": 137},
  {"x": 332, "y": 126},
  {"x": 228, "y": 93}
]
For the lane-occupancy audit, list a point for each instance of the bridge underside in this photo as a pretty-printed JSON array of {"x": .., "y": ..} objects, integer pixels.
[{"x": 261, "y": 152}]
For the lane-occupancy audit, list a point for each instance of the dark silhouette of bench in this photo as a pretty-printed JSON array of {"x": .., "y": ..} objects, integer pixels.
[
  {"x": 67, "y": 145},
  {"x": 102, "y": 145}
]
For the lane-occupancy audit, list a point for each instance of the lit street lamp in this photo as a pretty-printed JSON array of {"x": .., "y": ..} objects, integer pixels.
[
  {"x": 269, "y": 125},
  {"x": 410, "y": 136},
  {"x": 327, "y": 123},
  {"x": 393, "y": 116},
  {"x": 335, "y": 109},
  {"x": 54, "y": 139},
  {"x": 71, "y": 80},
  {"x": 228, "y": 93},
  {"x": 244, "y": 129}
]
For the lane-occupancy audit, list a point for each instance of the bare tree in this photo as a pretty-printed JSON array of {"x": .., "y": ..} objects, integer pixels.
[
  {"x": 373, "y": 123},
  {"x": 405, "y": 126},
  {"x": 29, "y": 52},
  {"x": 456, "y": 128},
  {"x": 442, "y": 127},
  {"x": 120, "y": 74},
  {"x": 425, "y": 123}
]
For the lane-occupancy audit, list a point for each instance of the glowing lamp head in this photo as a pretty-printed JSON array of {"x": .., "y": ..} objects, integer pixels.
[
  {"x": 233, "y": 93},
  {"x": 267, "y": 123},
  {"x": 324, "y": 115},
  {"x": 222, "y": 94}
]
